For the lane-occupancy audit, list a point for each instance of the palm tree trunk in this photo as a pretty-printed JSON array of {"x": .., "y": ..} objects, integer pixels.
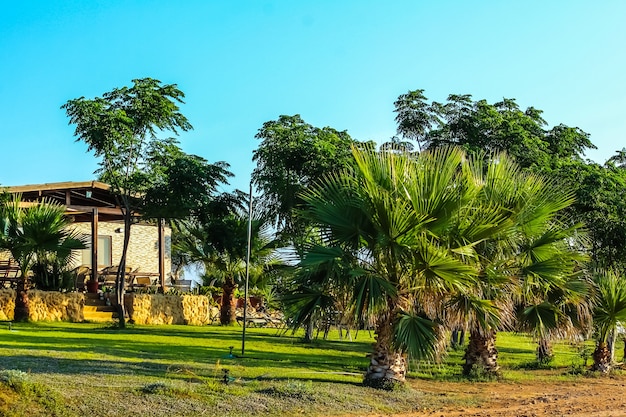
[
  {"x": 481, "y": 354},
  {"x": 602, "y": 358},
  {"x": 228, "y": 311},
  {"x": 544, "y": 350},
  {"x": 387, "y": 365},
  {"x": 21, "y": 312}
]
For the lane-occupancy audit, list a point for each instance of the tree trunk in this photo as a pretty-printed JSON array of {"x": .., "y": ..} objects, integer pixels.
[
  {"x": 21, "y": 312},
  {"x": 544, "y": 350},
  {"x": 120, "y": 279},
  {"x": 228, "y": 311},
  {"x": 602, "y": 358},
  {"x": 387, "y": 365},
  {"x": 481, "y": 354},
  {"x": 308, "y": 332},
  {"x": 611, "y": 345}
]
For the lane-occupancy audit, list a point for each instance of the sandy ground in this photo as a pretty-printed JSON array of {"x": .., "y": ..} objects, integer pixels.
[{"x": 601, "y": 396}]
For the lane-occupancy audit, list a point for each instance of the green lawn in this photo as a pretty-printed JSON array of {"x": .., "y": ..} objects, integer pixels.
[{"x": 87, "y": 369}]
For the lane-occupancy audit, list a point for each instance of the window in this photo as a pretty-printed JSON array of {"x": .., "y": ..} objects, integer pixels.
[{"x": 104, "y": 252}]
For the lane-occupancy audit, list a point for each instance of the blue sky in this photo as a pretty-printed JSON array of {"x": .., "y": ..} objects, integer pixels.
[{"x": 337, "y": 63}]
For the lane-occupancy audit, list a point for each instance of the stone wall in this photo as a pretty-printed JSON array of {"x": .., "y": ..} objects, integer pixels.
[
  {"x": 45, "y": 306},
  {"x": 195, "y": 310},
  {"x": 7, "y": 304},
  {"x": 190, "y": 309}
]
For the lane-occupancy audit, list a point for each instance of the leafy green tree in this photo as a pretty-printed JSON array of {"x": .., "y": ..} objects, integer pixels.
[
  {"x": 565, "y": 311},
  {"x": 525, "y": 258},
  {"x": 482, "y": 127},
  {"x": 145, "y": 172},
  {"x": 601, "y": 206},
  {"x": 31, "y": 235},
  {"x": 292, "y": 155}
]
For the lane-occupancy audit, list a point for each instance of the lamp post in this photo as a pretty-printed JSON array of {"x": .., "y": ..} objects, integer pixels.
[{"x": 245, "y": 293}]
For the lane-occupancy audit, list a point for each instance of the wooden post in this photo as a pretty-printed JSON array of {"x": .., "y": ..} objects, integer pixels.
[
  {"x": 94, "y": 245},
  {"x": 162, "y": 254}
]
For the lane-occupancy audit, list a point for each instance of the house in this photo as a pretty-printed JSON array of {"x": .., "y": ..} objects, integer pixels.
[{"x": 96, "y": 213}]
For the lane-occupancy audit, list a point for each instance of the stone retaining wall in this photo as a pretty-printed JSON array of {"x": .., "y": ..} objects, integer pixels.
[
  {"x": 45, "y": 305},
  {"x": 169, "y": 309},
  {"x": 189, "y": 309}
]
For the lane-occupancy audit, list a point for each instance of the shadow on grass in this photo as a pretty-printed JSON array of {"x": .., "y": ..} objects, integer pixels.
[{"x": 92, "y": 349}]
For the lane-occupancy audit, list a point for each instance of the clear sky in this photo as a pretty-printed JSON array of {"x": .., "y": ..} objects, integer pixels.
[{"x": 337, "y": 63}]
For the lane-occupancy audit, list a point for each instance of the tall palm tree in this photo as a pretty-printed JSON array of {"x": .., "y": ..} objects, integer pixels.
[
  {"x": 31, "y": 234},
  {"x": 528, "y": 257},
  {"x": 391, "y": 220},
  {"x": 609, "y": 311}
]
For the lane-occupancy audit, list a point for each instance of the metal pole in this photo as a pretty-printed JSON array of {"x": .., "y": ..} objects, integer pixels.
[{"x": 245, "y": 293}]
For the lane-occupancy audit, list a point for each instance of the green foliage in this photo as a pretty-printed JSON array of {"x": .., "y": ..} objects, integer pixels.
[
  {"x": 148, "y": 174},
  {"x": 417, "y": 335},
  {"x": 293, "y": 155},
  {"x": 609, "y": 304},
  {"x": 14, "y": 378},
  {"x": 480, "y": 126},
  {"x": 40, "y": 238}
]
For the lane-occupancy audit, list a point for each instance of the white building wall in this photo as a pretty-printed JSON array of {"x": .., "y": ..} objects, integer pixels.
[{"x": 143, "y": 248}]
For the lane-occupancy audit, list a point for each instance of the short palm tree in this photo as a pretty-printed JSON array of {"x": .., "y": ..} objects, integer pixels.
[
  {"x": 220, "y": 246},
  {"x": 563, "y": 312},
  {"x": 609, "y": 311},
  {"x": 34, "y": 233}
]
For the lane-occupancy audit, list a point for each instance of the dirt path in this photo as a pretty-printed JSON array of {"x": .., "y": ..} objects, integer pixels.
[{"x": 602, "y": 397}]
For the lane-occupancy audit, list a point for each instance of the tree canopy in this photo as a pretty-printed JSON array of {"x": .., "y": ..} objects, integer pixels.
[
  {"x": 291, "y": 156},
  {"x": 480, "y": 126}
]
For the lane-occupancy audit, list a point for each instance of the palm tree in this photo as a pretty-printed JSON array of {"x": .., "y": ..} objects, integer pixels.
[
  {"x": 528, "y": 257},
  {"x": 436, "y": 239},
  {"x": 386, "y": 228},
  {"x": 32, "y": 234},
  {"x": 609, "y": 311},
  {"x": 565, "y": 311},
  {"x": 220, "y": 245}
]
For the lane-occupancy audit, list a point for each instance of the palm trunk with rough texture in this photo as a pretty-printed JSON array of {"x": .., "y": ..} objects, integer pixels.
[
  {"x": 544, "y": 350},
  {"x": 21, "y": 312},
  {"x": 481, "y": 354},
  {"x": 387, "y": 365},
  {"x": 228, "y": 311},
  {"x": 602, "y": 358}
]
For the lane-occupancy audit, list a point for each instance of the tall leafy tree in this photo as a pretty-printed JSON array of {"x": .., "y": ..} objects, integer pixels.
[
  {"x": 388, "y": 222},
  {"x": 145, "y": 172},
  {"x": 523, "y": 263},
  {"x": 291, "y": 156},
  {"x": 480, "y": 126}
]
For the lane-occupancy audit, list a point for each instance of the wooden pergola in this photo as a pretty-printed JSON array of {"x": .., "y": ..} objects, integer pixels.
[{"x": 89, "y": 201}]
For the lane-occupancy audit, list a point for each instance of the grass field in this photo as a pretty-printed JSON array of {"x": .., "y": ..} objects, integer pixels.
[{"x": 88, "y": 369}]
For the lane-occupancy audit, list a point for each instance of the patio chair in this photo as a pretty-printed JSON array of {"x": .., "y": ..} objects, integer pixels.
[{"x": 83, "y": 274}]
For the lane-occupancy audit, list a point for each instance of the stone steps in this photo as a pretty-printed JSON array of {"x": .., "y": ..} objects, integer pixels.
[{"x": 96, "y": 309}]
